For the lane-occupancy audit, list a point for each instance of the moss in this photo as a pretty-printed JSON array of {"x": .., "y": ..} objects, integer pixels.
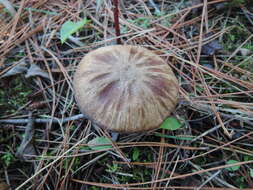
[{"x": 14, "y": 95}]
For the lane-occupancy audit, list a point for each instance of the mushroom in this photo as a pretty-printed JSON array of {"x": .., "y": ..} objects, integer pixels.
[{"x": 125, "y": 88}]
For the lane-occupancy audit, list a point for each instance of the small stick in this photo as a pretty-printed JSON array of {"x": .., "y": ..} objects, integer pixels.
[
  {"x": 116, "y": 19},
  {"x": 54, "y": 120}
]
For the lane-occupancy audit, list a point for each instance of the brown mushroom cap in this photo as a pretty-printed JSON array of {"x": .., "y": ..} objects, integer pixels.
[{"x": 125, "y": 88}]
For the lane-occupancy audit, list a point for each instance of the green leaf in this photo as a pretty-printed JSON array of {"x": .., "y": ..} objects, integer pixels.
[
  {"x": 136, "y": 154},
  {"x": 69, "y": 28},
  {"x": 84, "y": 148},
  {"x": 171, "y": 123},
  {"x": 100, "y": 143},
  {"x": 233, "y": 168},
  {"x": 251, "y": 172},
  {"x": 112, "y": 168},
  {"x": 7, "y": 158}
]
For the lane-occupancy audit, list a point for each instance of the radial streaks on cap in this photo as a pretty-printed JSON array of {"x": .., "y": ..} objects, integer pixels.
[{"x": 126, "y": 88}]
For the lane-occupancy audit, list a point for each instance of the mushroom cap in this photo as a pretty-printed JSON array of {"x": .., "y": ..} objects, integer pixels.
[{"x": 125, "y": 88}]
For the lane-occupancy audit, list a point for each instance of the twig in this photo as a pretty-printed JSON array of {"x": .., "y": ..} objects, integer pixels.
[
  {"x": 198, "y": 168},
  {"x": 247, "y": 15},
  {"x": 209, "y": 179},
  {"x": 54, "y": 120},
  {"x": 116, "y": 19},
  {"x": 7, "y": 177},
  {"x": 209, "y": 131}
]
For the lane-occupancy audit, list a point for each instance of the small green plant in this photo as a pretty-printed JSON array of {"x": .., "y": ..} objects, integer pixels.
[
  {"x": 136, "y": 154},
  {"x": 8, "y": 159},
  {"x": 15, "y": 96},
  {"x": 69, "y": 28},
  {"x": 171, "y": 123},
  {"x": 237, "y": 35},
  {"x": 74, "y": 166},
  {"x": 240, "y": 181},
  {"x": 248, "y": 46},
  {"x": 21, "y": 98},
  {"x": 233, "y": 168},
  {"x": 112, "y": 168}
]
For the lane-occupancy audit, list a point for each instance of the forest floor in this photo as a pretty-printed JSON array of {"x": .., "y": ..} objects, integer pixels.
[{"x": 46, "y": 144}]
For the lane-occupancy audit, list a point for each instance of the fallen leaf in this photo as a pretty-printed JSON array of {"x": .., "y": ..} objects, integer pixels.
[
  {"x": 245, "y": 51},
  {"x": 17, "y": 69},
  {"x": 211, "y": 47},
  {"x": 35, "y": 70}
]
